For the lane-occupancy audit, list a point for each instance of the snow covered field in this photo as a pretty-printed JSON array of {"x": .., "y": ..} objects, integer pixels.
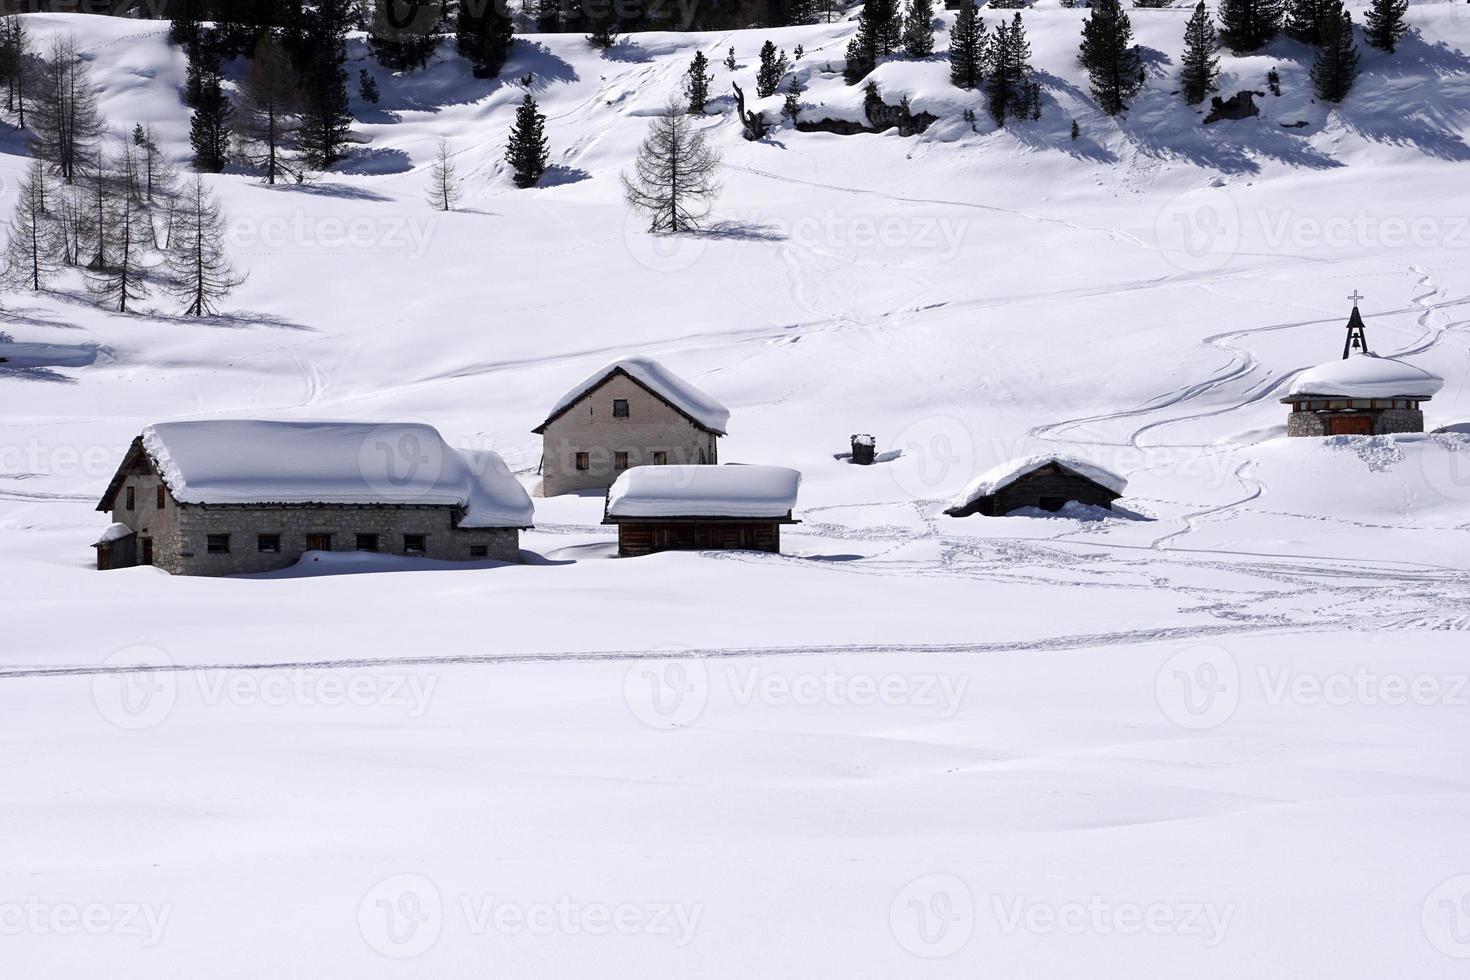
[{"x": 1222, "y": 732}]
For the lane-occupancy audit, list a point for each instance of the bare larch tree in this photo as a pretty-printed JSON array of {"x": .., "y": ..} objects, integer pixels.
[{"x": 674, "y": 179}]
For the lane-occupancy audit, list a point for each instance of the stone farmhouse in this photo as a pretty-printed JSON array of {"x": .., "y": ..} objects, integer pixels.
[
  {"x": 1040, "y": 482},
  {"x": 701, "y": 508},
  {"x": 633, "y": 412},
  {"x": 232, "y": 497},
  {"x": 1360, "y": 394}
]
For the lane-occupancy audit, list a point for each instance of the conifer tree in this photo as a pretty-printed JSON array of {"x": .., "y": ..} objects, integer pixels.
[
  {"x": 1110, "y": 56},
  {"x": 268, "y": 118},
  {"x": 185, "y": 17},
  {"x": 918, "y": 29},
  {"x": 772, "y": 70},
  {"x": 875, "y": 38},
  {"x": 967, "y": 48},
  {"x": 119, "y": 279},
  {"x": 1246, "y": 25},
  {"x": 444, "y": 189},
  {"x": 100, "y": 190},
  {"x": 200, "y": 273},
  {"x": 791, "y": 108},
  {"x": 32, "y": 242},
  {"x": 696, "y": 83},
  {"x": 401, "y": 33},
  {"x": 326, "y": 117},
  {"x": 1200, "y": 64},
  {"x": 604, "y": 32},
  {"x": 730, "y": 63},
  {"x": 15, "y": 66},
  {"x": 1007, "y": 69},
  {"x": 1304, "y": 20},
  {"x": 484, "y": 35},
  {"x": 675, "y": 175},
  {"x": 367, "y": 87},
  {"x": 1336, "y": 66},
  {"x": 527, "y": 152},
  {"x": 1384, "y": 26},
  {"x": 67, "y": 127},
  {"x": 209, "y": 128}
]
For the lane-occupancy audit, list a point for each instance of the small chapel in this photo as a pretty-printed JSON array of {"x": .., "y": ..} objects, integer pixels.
[{"x": 1361, "y": 393}]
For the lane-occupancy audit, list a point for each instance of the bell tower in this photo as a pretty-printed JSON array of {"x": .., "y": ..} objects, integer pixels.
[{"x": 1357, "y": 339}]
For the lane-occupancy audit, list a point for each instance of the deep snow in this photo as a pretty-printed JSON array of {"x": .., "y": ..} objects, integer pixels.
[{"x": 1236, "y": 712}]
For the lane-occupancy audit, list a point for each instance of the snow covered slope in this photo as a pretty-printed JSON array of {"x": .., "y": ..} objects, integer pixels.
[{"x": 1140, "y": 298}]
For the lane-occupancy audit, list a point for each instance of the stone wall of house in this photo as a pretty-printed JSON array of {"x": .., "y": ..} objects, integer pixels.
[
  {"x": 1398, "y": 420},
  {"x": 1304, "y": 424},
  {"x": 149, "y": 521},
  {"x": 244, "y": 525},
  {"x": 590, "y": 427}
]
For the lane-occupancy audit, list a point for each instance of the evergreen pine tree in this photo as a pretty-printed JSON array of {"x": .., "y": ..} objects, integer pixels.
[
  {"x": 1007, "y": 69},
  {"x": 696, "y": 83},
  {"x": 791, "y": 108},
  {"x": 32, "y": 243},
  {"x": 484, "y": 35},
  {"x": 326, "y": 116},
  {"x": 526, "y": 152},
  {"x": 604, "y": 27},
  {"x": 367, "y": 87},
  {"x": 918, "y": 29},
  {"x": 1336, "y": 66},
  {"x": 1076, "y": 131},
  {"x": 1304, "y": 20},
  {"x": 185, "y": 16},
  {"x": 1200, "y": 64},
  {"x": 1246, "y": 25},
  {"x": 209, "y": 128},
  {"x": 875, "y": 38},
  {"x": 1384, "y": 26},
  {"x": 401, "y": 33},
  {"x": 967, "y": 48},
  {"x": 199, "y": 271},
  {"x": 772, "y": 70},
  {"x": 730, "y": 63},
  {"x": 1110, "y": 57},
  {"x": 675, "y": 175}
]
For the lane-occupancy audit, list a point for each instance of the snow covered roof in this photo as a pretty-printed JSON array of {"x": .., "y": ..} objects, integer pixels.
[
  {"x": 114, "y": 532},
  {"x": 1366, "y": 376},
  {"x": 704, "y": 491},
  {"x": 252, "y": 462},
  {"x": 998, "y": 477},
  {"x": 683, "y": 396}
]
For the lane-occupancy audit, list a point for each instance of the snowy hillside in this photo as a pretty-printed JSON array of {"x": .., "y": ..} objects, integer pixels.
[{"x": 1028, "y": 715}]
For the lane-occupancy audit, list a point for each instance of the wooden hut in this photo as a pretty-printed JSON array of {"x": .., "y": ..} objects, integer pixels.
[
  {"x": 1042, "y": 482},
  {"x": 699, "y": 508}
]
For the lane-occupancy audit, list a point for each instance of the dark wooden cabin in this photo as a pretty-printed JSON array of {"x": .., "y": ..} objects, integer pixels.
[{"x": 1048, "y": 486}]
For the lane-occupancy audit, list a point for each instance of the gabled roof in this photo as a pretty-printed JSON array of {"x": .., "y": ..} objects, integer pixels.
[
  {"x": 999, "y": 477},
  {"x": 255, "y": 462},
  {"x": 704, "y": 491},
  {"x": 1366, "y": 376},
  {"x": 659, "y": 381}
]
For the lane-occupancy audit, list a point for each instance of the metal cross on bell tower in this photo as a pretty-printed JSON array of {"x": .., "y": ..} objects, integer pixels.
[{"x": 1357, "y": 338}]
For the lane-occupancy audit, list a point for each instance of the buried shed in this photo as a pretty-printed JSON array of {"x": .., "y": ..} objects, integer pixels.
[{"x": 1044, "y": 482}]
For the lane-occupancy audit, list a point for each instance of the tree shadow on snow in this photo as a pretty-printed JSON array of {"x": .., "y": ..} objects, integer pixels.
[
  {"x": 743, "y": 231},
  {"x": 325, "y": 189},
  {"x": 241, "y": 320},
  {"x": 1427, "y": 115},
  {"x": 375, "y": 160},
  {"x": 556, "y": 175}
]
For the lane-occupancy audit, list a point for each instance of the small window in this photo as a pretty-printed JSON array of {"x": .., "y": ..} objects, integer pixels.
[
  {"x": 620, "y": 461},
  {"x": 367, "y": 542},
  {"x": 130, "y": 501},
  {"x": 217, "y": 544},
  {"x": 620, "y": 408},
  {"x": 318, "y": 542},
  {"x": 160, "y": 494},
  {"x": 268, "y": 544},
  {"x": 479, "y": 551},
  {"x": 584, "y": 461},
  {"x": 414, "y": 544},
  {"x": 660, "y": 458}
]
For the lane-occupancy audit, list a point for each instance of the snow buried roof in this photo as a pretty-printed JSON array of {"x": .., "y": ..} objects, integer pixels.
[
  {"x": 1367, "y": 376},
  {"x": 114, "y": 532},
  {"x": 704, "y": 491},
  {"x": 251, "y": 462},
  {"x": 662, "y": 382},
  {"x": 999, "y": 477}
]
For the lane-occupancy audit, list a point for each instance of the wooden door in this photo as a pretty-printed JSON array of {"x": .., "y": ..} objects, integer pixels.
[
  {"x": 1350, "y": 425},
  {"x": 147, "y": 551}
]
